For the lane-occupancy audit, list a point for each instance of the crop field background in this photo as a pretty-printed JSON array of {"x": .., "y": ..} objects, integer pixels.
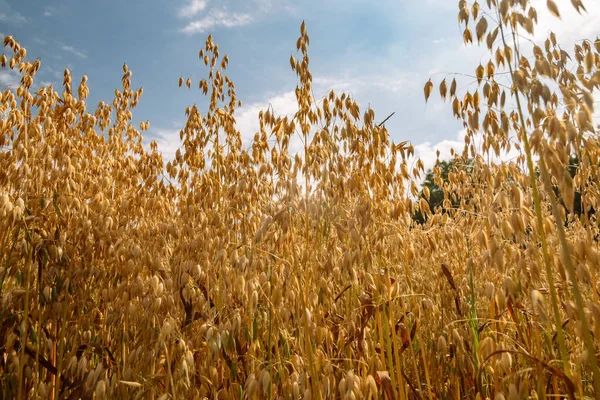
[{"x": 258, "y": 273}]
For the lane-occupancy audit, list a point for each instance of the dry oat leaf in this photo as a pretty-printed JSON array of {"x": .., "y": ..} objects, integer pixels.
[
  {"x": 450, "y": 279},
  {"x": 491, "y": 38},
  {"x": 453, "y": 88},
  {"x": 490, "y": 69},
  {"x": 589, "y": 61},
  {"x": 475, "y": 10},
  {"x": 532, "y": 14},
  {"x": 463, "y": 15},
  {"x": 427, "y": 89},
  {"x": 503, "y": 8},
  {"x": 479, "y": 71},
  {"x": 481, "y": 29},
  {"x": 553, "y": 8},
  {"x": 424, "y": 207},
  {"x": 443, "y": 89},
  {"x": 383, "y": 379},
  {"x": 456, "y": 107},
  {"x": 467, "y": 36},
  {"x": 578, "y": 5},
  {"x": 131, "y": 384}
]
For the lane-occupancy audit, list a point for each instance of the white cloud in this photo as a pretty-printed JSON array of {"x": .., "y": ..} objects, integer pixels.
[
  {"x": 217, "y": 18},
  {"x": 427, "y": 151},
  {"x": 71, "y": 49},
  {"x": 247, "y": 116},
  {"x": 167, "y": 140},
  {"x": 247, "y": 124},
  {"x": 192, "y": 8},
  {"x": 9, "y": 79}
]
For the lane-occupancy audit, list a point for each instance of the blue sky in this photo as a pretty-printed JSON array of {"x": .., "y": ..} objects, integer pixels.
[{"x": 382, "y": 52}]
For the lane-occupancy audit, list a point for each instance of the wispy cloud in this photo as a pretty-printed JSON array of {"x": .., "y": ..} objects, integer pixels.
[
  {"x": 204, "y": 15},
  {"x": 192, "y": 8},
  {"x": 15, "y": 17},
  {"x": 395, "y": 82},
  {"x": 48, "y": 11},
  {"x": 71, "y": 49},
  {"x": 214, "y": 19},
  {"x": 57, "y": 74}
]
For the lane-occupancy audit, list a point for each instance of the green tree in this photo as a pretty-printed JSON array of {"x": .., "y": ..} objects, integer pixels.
[
  {"x": 578, "y": 206},
  {"x": 436, "y": 192}
]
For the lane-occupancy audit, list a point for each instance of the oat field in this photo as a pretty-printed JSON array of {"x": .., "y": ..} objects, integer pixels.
[{"x": 243, "y": 271}]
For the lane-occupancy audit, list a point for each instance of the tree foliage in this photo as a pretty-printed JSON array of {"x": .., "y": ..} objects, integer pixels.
[{"x": 432, "y": 188}]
